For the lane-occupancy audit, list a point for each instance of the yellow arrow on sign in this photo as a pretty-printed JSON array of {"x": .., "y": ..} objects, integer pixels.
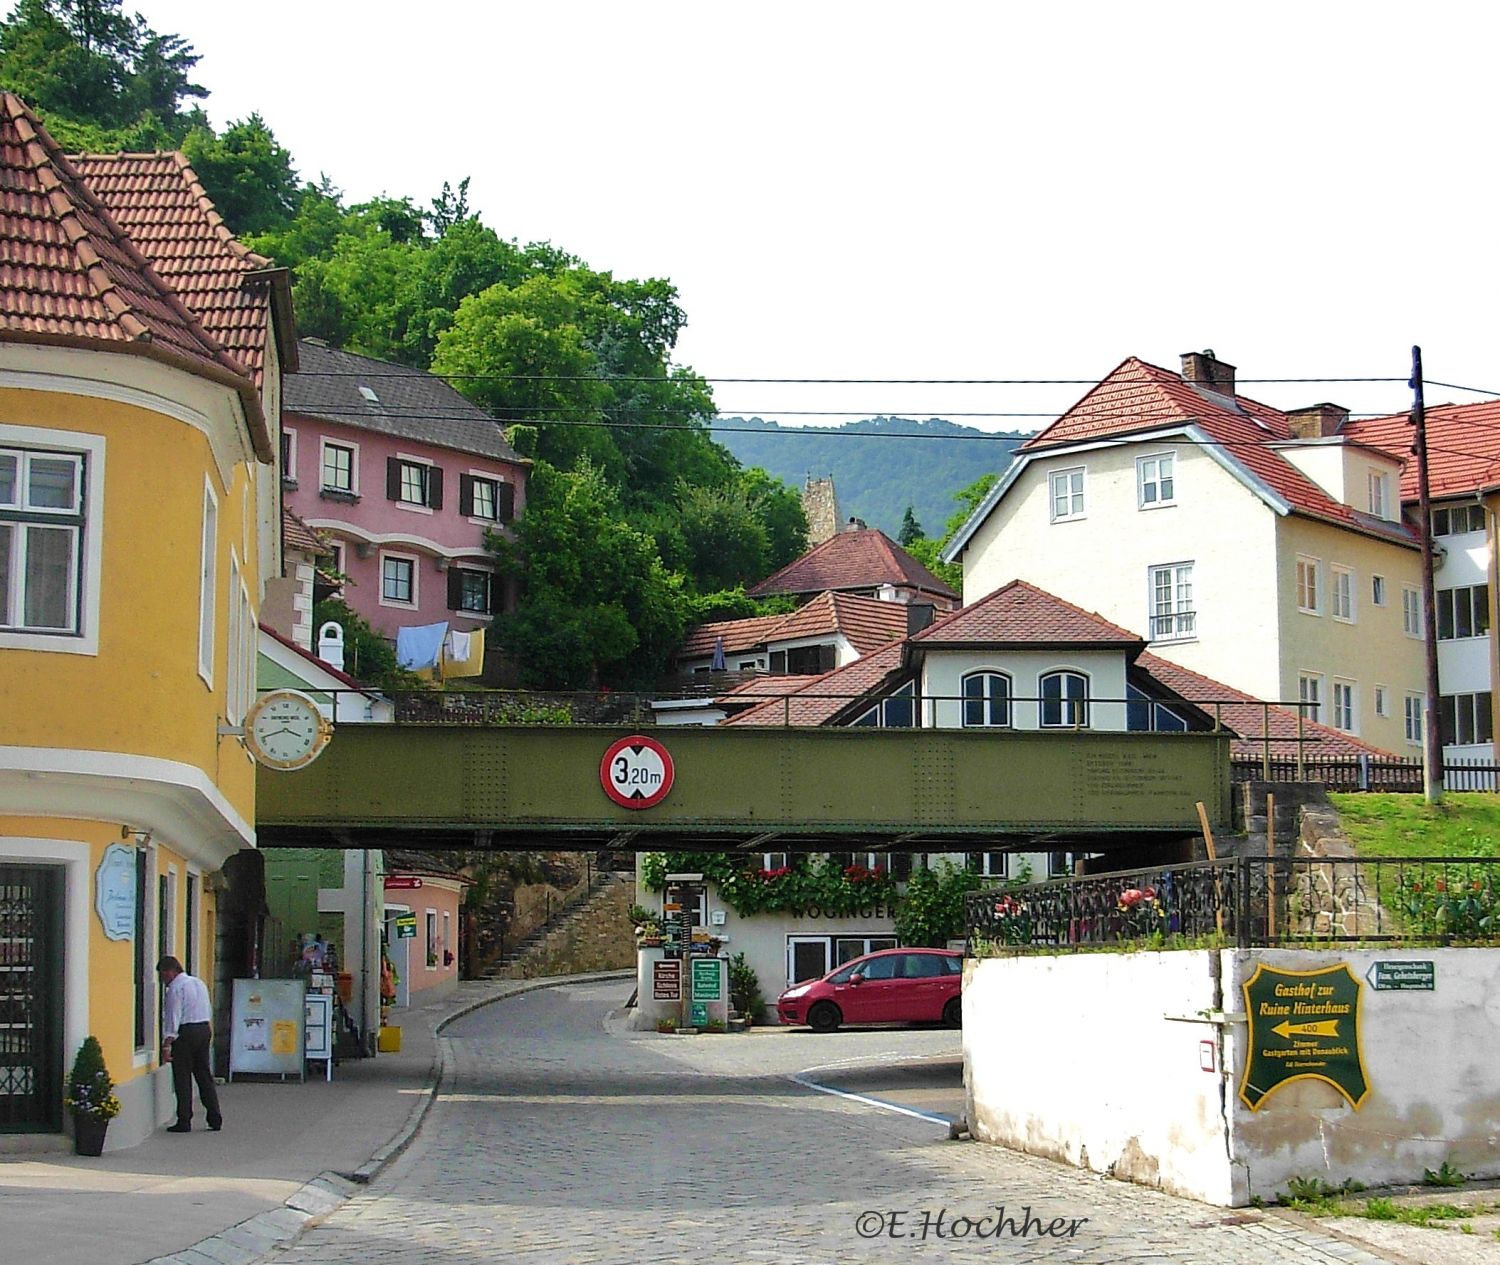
[{"x": 1323, "y": 1028}]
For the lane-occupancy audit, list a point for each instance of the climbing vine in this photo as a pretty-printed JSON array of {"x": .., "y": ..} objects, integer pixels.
[{"x": 812, "y": 885}]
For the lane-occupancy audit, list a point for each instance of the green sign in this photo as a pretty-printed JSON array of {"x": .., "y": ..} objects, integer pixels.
[
  {"x": 1304, "y": 1025},
  {"x": 1403, "y": 977},
  {"x": 707, "y": 980},
  {"x": 697, "y": 1014},
  {"x": 406, "y": 926}
]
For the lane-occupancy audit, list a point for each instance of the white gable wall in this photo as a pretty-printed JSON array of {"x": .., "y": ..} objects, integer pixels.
[{"x": 944, "y": 671}]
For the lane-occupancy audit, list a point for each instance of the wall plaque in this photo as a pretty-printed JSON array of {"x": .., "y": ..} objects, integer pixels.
[
  {"x": 1303, "y": 1025},
  {"x": 114, "y": 891}
]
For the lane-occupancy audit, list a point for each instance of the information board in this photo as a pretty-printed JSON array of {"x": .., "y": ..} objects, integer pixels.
[
  {"x": 666, "y": 981},
  {"x": 707, "y": 980},
  {"x": 266, "y": 1027},
  {"x": 1403, "y": 977},
  {"x": 1304, "y": 1025}
]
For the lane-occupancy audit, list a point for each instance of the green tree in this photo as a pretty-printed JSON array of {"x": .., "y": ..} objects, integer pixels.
[
  {"x": 726, "y": 540},
  {"x": 910, "y": 529},
  {"x": 247, "y": 173}
]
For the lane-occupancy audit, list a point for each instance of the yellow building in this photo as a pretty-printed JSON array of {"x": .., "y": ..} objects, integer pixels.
[{"x": 138, "y": 526}]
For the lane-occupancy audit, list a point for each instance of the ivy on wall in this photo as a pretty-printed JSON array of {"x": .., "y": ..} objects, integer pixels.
[{"x": 811, "y": 884}]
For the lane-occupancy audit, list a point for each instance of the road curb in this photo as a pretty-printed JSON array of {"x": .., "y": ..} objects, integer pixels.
[{"x": 257, "y": 1238}]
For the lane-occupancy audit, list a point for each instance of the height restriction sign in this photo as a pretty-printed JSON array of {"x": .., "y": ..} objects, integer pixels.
[{"x": 636, "y": 772}]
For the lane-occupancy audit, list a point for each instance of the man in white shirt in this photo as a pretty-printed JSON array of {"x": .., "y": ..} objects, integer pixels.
[{"x": 186, "y": 1039}]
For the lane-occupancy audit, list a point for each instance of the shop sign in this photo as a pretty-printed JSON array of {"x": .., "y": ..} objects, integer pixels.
[
  {"x": 1303, "y": 1025},
  {"x": 865, "y": 911},
  {"x": 666, "y": 981},
  {"x": 114, "y": 891},
  {"x": 406, "y": 926},
  {"x": 1403, "y": 977},
  {"x": 636, "y": 772},
  {"x": 403, "y": 882},
  {"x": 708, "y": 980}
]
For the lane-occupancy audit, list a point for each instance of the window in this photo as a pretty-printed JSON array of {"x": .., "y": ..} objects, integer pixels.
[
  {"x": 190, "y": 924},
  {"x": 144, "y": 978},
  {"x": 1411, "y": 611},
  {"x": 1413, "y": 718},
  {"x": 1382, "y": 701},
  {"x": 208, "y": 565},
  {"x": 447, "y": 936},
  {"x": 1309, "y": 595},
  {"x": 804, "y": 660},
  {"x": 1342, "y": 599},
  {"x": 414, "y": 483},
  {"x": 1172, "y": 617},
  {"x": 1310, "y": 694},
  {"x": 1463, "y": 612},
  {"x": 338, "y": 468},
  {"x": 993, "y": 864},
  {"x": 1465, "y": 719},
  {"x": 1065, "y": 700},
  {"x": 1155, "y": 480},
  {"x": 398, "y": 580},
  {"x": 986, "y": 700},
  {"x": 289, "y": 457},
  {"x": 1455, "y": 520},
  {"x": 489, "y": 499},
  {"x": 1067, "y": 493},
  {"x": 1059, "y": 864},
  {"x": 1144, "y": 715},
  {"x": 471, "y": 591},
  {"x": 432, "y": 940},
  {"x": 234, "y": 687},
  {"x": 1377, "y": 590},
  {"x": 41, "y": 541},
  {"x": 1379, "y": 484},
  {"x": 773, "y": 860},
  {"x": 1345, "y": 716},
  {"x": 899, "y": 711}
]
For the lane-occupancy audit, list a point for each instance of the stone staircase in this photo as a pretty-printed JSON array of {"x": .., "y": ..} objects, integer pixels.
[{"x": 593, "y": 932}]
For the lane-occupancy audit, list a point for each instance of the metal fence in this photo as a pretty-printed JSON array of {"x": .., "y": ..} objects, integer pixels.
[
  {"x": 1302, "y": 902},
  {"x": 1368, "y": 773}
]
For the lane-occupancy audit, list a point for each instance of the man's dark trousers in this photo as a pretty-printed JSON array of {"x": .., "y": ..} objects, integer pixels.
[{"x": 190, "y": 1062}]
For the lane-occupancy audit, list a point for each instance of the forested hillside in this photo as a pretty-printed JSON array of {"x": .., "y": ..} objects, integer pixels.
[
  {"x": 877, "y": 477},
  {"x": 637, "y": 521}
]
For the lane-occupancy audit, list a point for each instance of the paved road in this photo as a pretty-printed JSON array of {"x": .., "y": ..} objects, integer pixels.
[{"x": 558, "y": 1141}]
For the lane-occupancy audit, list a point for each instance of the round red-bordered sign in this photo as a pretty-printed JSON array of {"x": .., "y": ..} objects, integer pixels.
[{"x": 636, "y": 772}]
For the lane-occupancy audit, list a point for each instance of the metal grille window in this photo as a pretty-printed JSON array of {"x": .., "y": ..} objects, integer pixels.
[
  {"x": 41, "y": 541},
  {"x": 1466, "y": 719},
  {"x": 1065, "y": 700},
  {"x": 30, "y": 998},
  {"x": 1172, "y": 615},
  {"x": 1463, "y": 612},
  {"x": 986, "y": 700},
  {"x": 1067, "y": 493},
  {"x": 1155, "y": 480}
]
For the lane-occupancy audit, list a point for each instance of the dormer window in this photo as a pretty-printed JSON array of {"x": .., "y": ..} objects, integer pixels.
[{"x": 1380, "y": 493}]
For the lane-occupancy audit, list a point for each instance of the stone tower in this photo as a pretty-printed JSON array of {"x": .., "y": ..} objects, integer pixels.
[{"x": 821, "y": 505}]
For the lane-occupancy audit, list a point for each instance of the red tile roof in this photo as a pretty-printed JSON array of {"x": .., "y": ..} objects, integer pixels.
[
  {"x": 765, "y": 686},
  {"x": 864, "y": 558},
  {"x": 867, "y": 622},
  {"x": 159, "y": 201},
  {"x": 824, "y": 697},
  {"x": 70, "y": 275},
  {"x": 1020, "y": 614},
  {"x": 1137, "y": 396},
  {"x": 295, "y": 534},
  {"x": 1463, "y": 446}
]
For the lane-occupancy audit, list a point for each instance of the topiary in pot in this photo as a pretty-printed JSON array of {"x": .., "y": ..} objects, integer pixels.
[{"x": 91, "y": 1098}]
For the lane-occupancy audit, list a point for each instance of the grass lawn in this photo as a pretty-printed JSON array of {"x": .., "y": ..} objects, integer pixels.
[{"x": 1463, "y": 825}]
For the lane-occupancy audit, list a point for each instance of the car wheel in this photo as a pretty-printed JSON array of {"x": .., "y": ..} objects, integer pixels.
[
  {"x": 824, "y": 1017},
  {"x": 953, "y": 1013}
]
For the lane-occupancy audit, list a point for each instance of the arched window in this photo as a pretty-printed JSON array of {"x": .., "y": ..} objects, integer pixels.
[
  {"x": 1065, "y": 700},
  {"x": 986, "y": 700}
]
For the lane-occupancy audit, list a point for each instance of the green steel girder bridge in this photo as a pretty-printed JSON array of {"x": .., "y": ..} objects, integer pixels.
[{"x": 781, "y": 789}]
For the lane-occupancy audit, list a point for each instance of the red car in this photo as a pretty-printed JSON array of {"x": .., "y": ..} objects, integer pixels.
[{"x": 891, "y": 986}]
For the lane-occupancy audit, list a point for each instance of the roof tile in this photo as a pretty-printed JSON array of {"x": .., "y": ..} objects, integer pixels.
[
  {"x": 866, "y": 622},
  {"x": 1463, "y": 446},
  {"x": 864, "y": 558},
  {"x": 1020, "y": 614}
]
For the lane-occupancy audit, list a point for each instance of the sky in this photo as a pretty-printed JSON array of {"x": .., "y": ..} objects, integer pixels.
[{"x": 938, "y": 191}]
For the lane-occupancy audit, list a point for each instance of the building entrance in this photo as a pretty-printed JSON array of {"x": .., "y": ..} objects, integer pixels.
[{"x": 30, "y": 998}]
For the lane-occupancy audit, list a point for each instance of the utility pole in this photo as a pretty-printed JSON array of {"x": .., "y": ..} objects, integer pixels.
[{"x": 1432, "y": 738}]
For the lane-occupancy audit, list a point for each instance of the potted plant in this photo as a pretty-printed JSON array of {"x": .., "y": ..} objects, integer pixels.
[
  {"x": 649, "y": 936},
  {"x": 91, "y": 1098}
]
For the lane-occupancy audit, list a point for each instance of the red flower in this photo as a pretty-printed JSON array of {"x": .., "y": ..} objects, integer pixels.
[
  {"x": 1131, "y": 897},
  {"x": 1441, "y": 885}
]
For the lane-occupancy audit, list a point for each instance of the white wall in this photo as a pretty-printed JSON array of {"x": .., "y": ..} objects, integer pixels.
[{"x": 943, "y": 672}]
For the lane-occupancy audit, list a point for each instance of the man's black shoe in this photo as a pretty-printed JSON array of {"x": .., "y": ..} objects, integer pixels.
[
  {"x": 216, "y": 1125},
  {"x": 179, "y": 1128}
]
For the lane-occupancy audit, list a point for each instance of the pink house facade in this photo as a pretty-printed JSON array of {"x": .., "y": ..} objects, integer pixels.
[{"x": 404, "y": 477}]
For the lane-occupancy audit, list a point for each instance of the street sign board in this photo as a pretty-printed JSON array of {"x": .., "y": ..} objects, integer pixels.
[
  {"x": 666, "y": 981},
  {"x": 636, "y": 772},
  {"x": 1403, "y": 977},
  {"x": 406, "y": 926},
  {"x": 1303, "y": 1025},
  {"x": 707, "y": 980}
]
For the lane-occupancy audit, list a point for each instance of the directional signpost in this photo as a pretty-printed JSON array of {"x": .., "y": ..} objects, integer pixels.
[{"x": 1403, "y": 977}]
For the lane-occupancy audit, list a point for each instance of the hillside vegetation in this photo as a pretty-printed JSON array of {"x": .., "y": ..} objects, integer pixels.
[{"x": 1463, "y": 825}]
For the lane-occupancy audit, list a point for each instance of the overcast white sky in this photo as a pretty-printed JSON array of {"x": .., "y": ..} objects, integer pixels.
[{"x": 883, "y": 190}]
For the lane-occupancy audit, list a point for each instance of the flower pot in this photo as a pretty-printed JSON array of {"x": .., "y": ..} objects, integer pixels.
[{"x": 88, "y": 1135}]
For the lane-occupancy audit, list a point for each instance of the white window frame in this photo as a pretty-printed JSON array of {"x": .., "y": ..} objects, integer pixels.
[
  {"x": 1378, "y": 591},
  {"x": 289, "y": 467},
  {"x": 494, "y": 481},
  {"x": 1378, "y": 486},
  {"x": 353, "y": 449},
  {"x": 1149, "y": 475},
  {"x": 992, "y": 864},
  {"x": 1344, "y": 705},
  {"x": 1312, "y": 567},
  {"x": 416, "y": 572},
  {"x": 1413, "y": 706},
  {"x": 430, "y": 926},
  {"x": 1382, "y": 701},
  {"x": 1342, "y": 604},
  {"x": 1411, "y": 611},
  {"x": 1065, "y": 478},
  {"x": 235, "y": 662},
  {"x": 208, "y": 584},
  {"x": 424, "y": 506},
  {"x": 1181, "y": 624},
  {"x": 988, "y": 702},
  {"x": 1067, "y": 707},
  {"x": 469, "y": 611},
  {"x": 1310, "y": 695}
]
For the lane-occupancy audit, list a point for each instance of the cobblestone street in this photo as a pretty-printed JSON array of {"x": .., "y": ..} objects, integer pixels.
[{"x": 555, "y": 1140}]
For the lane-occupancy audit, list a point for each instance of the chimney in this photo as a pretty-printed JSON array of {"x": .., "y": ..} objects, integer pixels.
[
  {"x": 1317, "y": 421},
  {"x": 1204, "y": 369},
  {"x": 918, "y": 616},
  {"x": 331, "y": 645},
  {"x": 855, "y": 524}
]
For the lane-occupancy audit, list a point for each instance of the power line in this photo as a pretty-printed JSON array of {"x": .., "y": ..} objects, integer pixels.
[{"x": 968, "y": 382}]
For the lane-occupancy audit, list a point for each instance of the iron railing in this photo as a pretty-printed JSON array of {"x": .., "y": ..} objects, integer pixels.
[
  {"x": 1246, "y": 901},
  {"x": 1369, "y": 773}
]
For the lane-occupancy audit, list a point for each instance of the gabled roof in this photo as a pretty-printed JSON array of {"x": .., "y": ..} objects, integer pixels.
[
  {"x": 408, "y": 403},
  {"x": 296, "y": 534},
  {"x": 821, "y": 700},
  {"x": 1020, "y": 614},
  {"x": 159, "y": 201},
  {"x": 864, "y": 558},
  {"x": 338, "y": 674},
  {"x": 866, "y": 622},
  {"x": 1137, "y": 400},
  {"x": 1463, "y": 447},
  {"x": 71, "y": 276}
]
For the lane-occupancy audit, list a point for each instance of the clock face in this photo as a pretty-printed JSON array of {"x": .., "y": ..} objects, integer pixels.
[{"x": 285, "y": 731}]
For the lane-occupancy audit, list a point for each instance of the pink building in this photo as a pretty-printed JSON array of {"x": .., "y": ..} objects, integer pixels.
[{"x": 405, "y": 477}]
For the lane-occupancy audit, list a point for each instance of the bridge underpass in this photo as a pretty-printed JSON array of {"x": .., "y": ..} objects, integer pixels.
[{"x": 781, "y": 789}]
